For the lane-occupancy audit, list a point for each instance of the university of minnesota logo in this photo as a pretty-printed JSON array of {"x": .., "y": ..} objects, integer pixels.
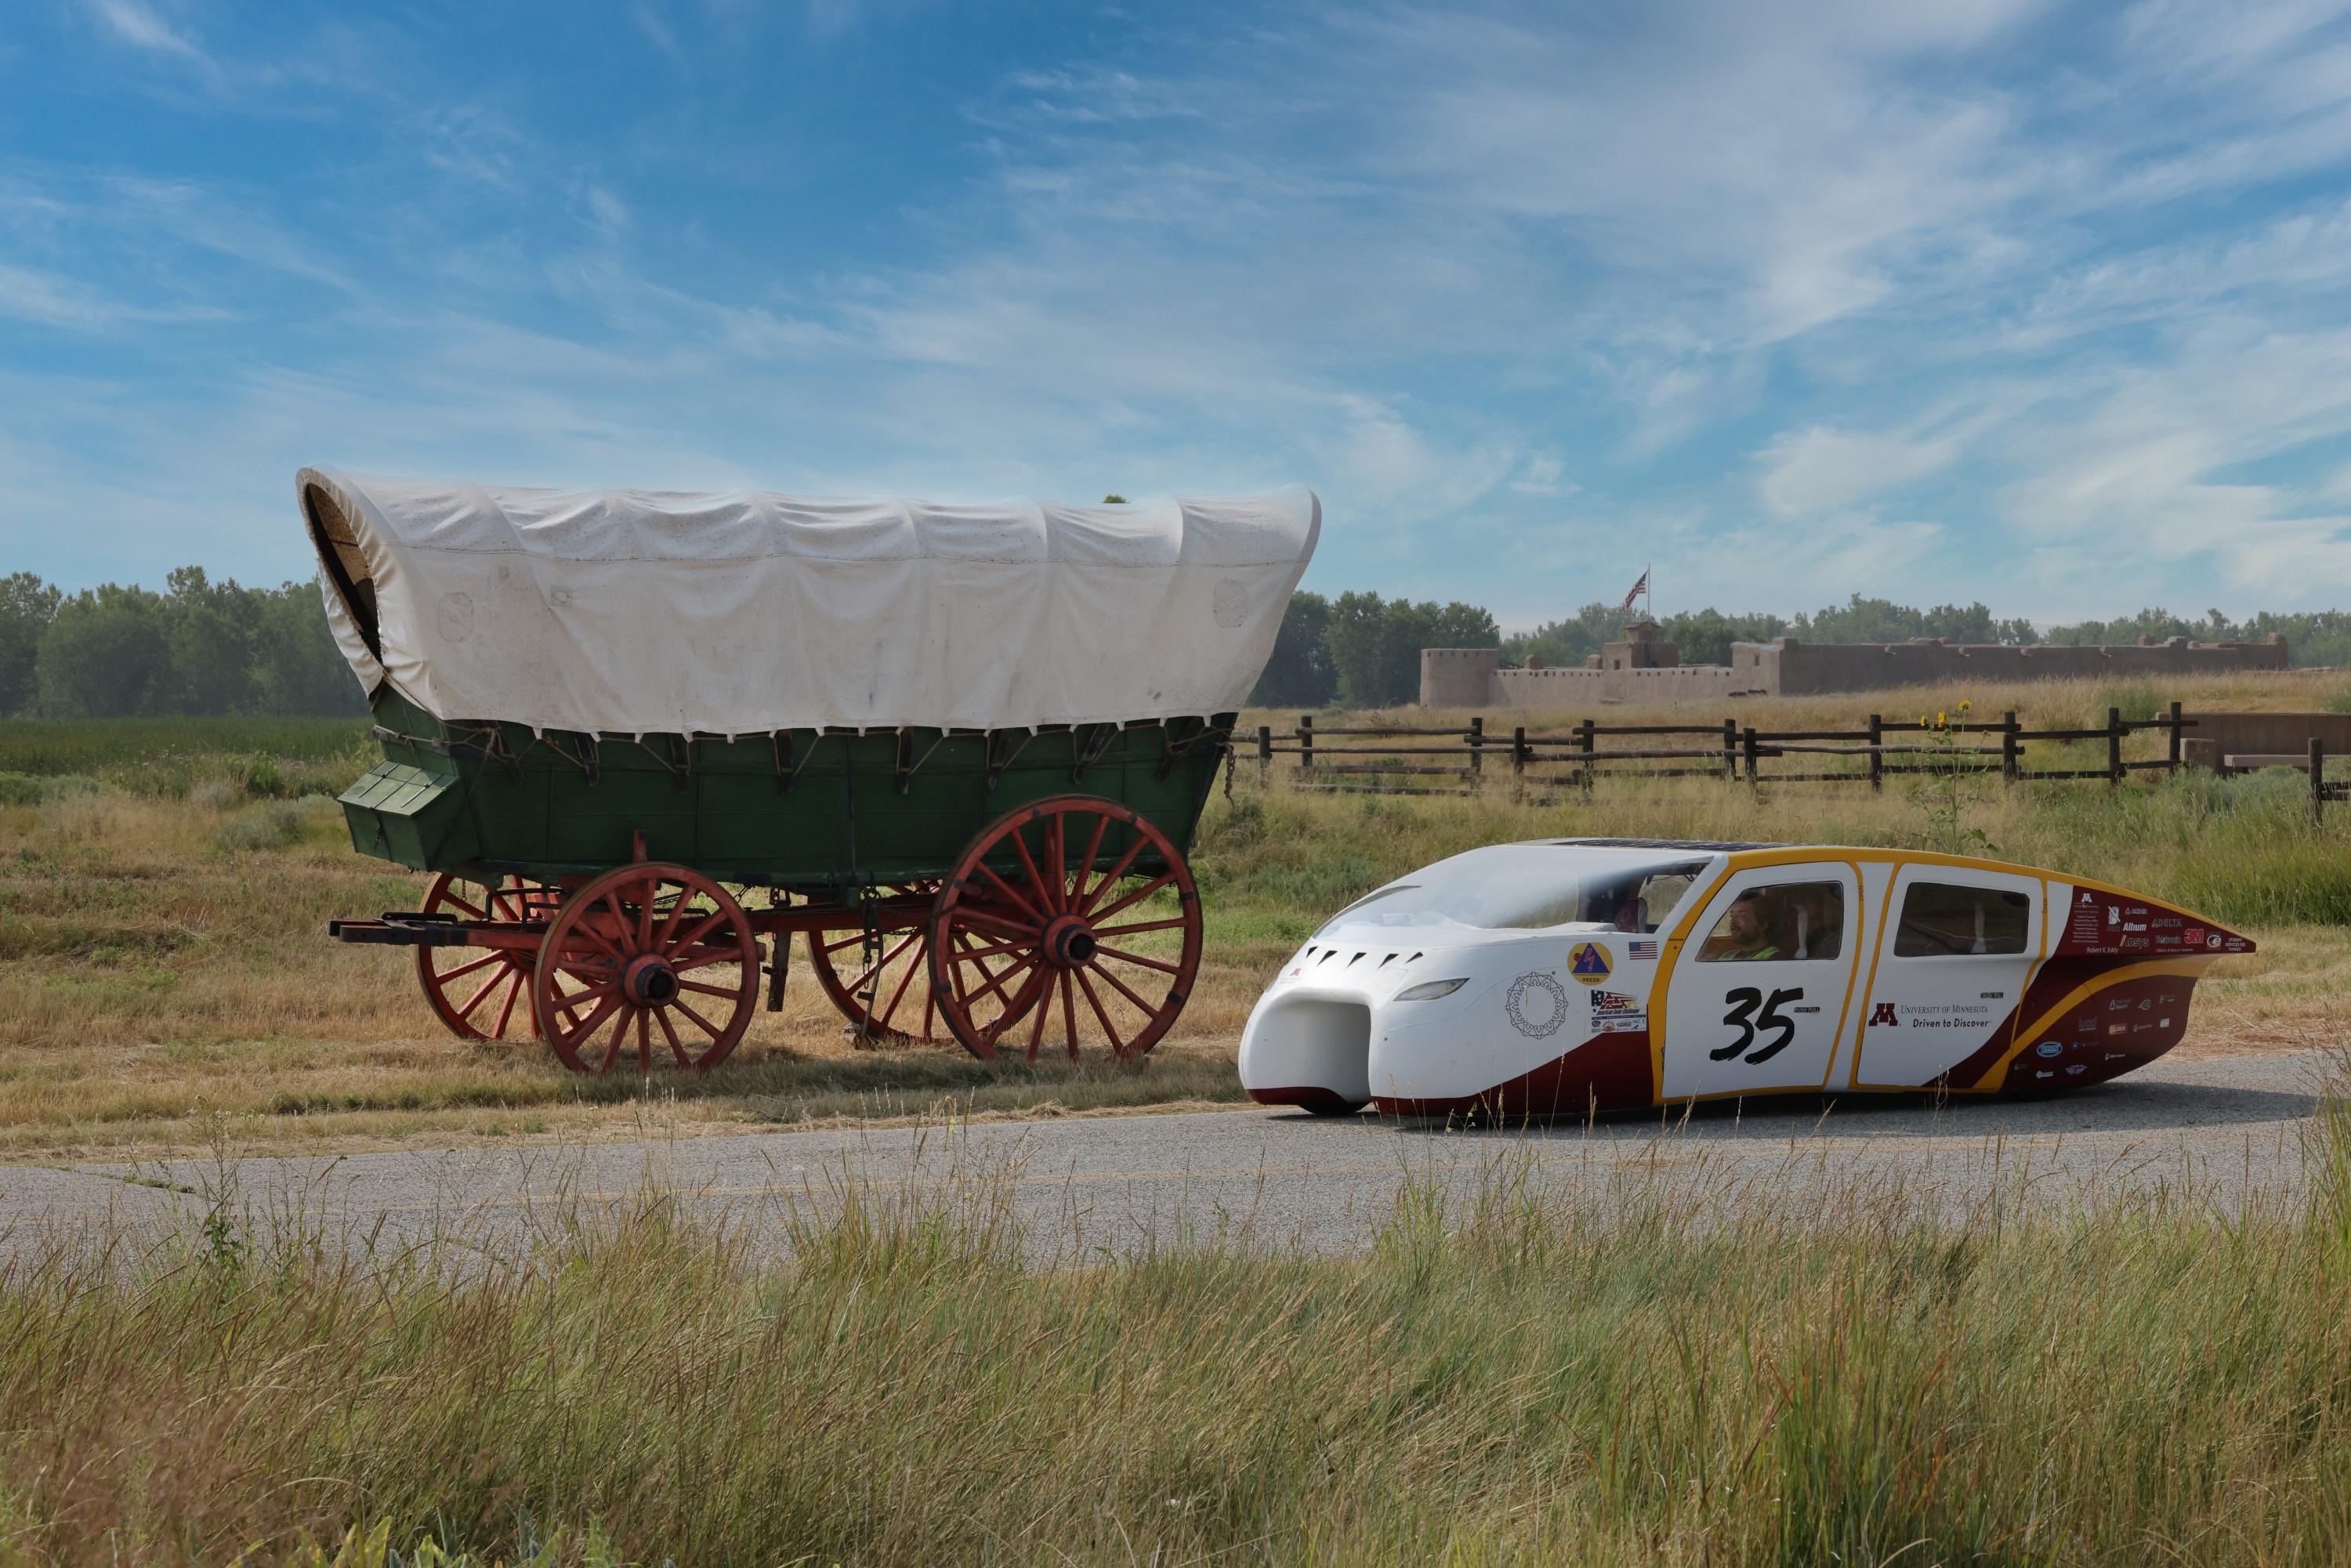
[
  {"x": 1588, "y": 962},
  {"x": 1883, "y": 1014}
]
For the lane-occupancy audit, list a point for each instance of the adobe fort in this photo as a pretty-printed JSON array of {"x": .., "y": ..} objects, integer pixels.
[{"x": 1642, "y": 667}]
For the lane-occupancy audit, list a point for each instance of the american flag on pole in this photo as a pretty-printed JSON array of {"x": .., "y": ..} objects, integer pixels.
[{"x": 1638, "y": 589}]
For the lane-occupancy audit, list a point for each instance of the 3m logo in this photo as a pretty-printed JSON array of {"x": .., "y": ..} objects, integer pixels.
[{"x": 1882, "y": 1014}]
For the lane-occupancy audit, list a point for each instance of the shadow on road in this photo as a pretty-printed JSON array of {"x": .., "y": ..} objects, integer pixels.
[{"x": 2125, "y": 1105}]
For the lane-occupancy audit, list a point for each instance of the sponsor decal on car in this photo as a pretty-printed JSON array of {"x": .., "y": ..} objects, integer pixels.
[
  {"x": 2050, "y": 1048},
  {"x": 1614, "y": 1012},
  {"x": 1883, "y": 1015},
  {"x": 1537, "y": 1004},
  {"x": 1588, "y": 962}
]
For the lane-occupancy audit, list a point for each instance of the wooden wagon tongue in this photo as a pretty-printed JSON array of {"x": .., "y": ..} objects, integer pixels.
[{"x": 607, "y": 714}]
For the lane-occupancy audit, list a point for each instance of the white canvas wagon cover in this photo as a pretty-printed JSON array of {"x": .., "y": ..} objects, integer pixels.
[{"x": 738, "y": 612}]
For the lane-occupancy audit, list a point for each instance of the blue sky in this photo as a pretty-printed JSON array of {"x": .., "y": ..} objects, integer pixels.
[{"x": 2044, "y": 305}]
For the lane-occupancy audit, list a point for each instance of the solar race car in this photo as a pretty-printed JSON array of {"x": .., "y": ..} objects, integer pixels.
[{"x": 1569, "y": 976}]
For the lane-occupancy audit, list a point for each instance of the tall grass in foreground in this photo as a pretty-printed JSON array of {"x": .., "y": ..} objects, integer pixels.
[{"x": 1525, "y": 1377}]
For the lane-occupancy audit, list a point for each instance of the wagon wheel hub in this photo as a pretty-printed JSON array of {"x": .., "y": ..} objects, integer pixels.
[
  {"x": 1070, "y": 942},
  {"x": 649, "y": 981}
]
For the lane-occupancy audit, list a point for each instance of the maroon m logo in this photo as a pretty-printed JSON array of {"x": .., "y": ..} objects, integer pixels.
[{"x": 1883, "y": 1014}]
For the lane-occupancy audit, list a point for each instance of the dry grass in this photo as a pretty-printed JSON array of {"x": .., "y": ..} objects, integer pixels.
[
  {"x": 1530, "y": 1375},
  {"x": 2041, "y": 704},
  {"x": 156, "y": 971}
]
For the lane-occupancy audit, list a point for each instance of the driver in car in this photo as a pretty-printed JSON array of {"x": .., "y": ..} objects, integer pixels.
[{"x": 1745, "y": 932}]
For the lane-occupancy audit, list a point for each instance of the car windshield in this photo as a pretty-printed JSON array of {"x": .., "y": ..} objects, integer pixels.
[{"x": 1520, "y": 887}]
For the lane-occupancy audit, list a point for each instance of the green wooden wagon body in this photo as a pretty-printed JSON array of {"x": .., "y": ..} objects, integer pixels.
[{"x": 828, "y": 814}]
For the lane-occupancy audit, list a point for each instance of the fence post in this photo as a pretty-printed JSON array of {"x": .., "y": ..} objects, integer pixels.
[
  {"x": 1585, "y": 736},
  {"x": 1750, "y": 753},
  {"x": 1519, "y": 758},
  {"x": 2171, "y": 753},
  {"x": 1264, "y": 755},
  {"x": 1478, "y": 744},
  {"x": 2317, "y": 782},
  {"x": 1306, "y": 743},
  {"x": 1877, "y": 758},
  {"x": 1730, "y": 749},
  {"x": 2009, "y": 747},
  {"x": 2114, "y": 747}
]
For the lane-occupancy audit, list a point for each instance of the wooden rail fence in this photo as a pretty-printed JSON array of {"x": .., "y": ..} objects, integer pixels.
[{"x": 1454, "y": 760}]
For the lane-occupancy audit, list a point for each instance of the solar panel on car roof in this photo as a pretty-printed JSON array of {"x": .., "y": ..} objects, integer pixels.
[{"x": 1665, "y": 844}]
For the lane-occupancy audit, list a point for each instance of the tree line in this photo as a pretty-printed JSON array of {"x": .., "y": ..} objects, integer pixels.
[
  {"x": 207, "y": 647},
  {"x": 1360, "y": 650},
  {"x": 198, "y": 647}
]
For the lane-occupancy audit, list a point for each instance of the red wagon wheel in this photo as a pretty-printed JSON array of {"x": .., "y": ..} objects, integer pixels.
[
  {"x": 905, "y": 1010},
  {"x": 1069, "y": 923},
  {"x": 898, "y": 979},
  {"x": 474, "y": 990},
  {"x": 647, "y": 957}
]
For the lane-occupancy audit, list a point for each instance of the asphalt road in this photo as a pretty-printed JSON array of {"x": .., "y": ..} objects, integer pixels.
[{"x": 2223, "y": 1134}]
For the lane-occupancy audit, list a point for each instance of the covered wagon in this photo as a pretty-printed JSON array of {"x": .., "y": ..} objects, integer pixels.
[{"x": 641, "y": 740}]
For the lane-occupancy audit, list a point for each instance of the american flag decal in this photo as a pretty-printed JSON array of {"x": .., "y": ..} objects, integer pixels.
[{"x": 1640, "y": 950}]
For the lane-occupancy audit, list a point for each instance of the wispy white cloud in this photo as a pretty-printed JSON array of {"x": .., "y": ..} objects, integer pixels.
[{"x": 134, "y": 23}]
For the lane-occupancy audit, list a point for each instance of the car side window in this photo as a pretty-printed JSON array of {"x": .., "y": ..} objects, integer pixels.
[
  {"x": 1784, "y": 922},
  {"x": 1951, "y": 920}
]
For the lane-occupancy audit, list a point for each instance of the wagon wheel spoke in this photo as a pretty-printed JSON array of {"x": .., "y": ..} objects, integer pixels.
[
  {"x": 996, "y": 987},
  {"x": 1057, "y": 864},
  {"x": 1138, "y": 896},
  {"x": 1006, "y": 888},
  {"x": 1138, "y": 929},
  {"x": 448, "y": 975},
  {"x": 1123, "y": 989},
  {"x": 1093, "y": 852},
  {"x": 1069, "y": 1014},
  {"x": 704, "y": 1023},
  {"x": 1043, "y": 1004},
  {"x": 1086, "y": 904},
  {"x": 983, "y": 919},
  {"x": 694, "y": 938},
  {"x": 462, "y": 1009},
  {"x": 1048, "y": 896},
  {"x": 1122, "y": 955},
  {"x": 506, "y": 1010},
  {"x": 1094, "y": 1002},
  {"x": 479, "y": 996}
]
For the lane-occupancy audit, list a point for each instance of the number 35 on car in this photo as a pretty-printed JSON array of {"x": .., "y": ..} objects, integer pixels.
[{"x": 1577, "y": 975}]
